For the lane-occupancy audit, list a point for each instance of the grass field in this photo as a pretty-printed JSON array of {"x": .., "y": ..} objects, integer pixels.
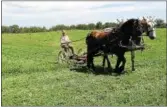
[{"x": 31, "y": 77}]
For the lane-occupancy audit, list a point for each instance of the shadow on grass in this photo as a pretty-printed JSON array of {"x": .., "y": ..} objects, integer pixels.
[{"x": 99, "y": 70}]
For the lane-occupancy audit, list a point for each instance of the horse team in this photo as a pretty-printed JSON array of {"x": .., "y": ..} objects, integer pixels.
[{"x": 117, "y": 41}]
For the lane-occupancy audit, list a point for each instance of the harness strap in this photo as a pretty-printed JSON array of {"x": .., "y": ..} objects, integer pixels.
[
  {"x": 78, "y": 40},
  {"x": 150, "y": 31}
]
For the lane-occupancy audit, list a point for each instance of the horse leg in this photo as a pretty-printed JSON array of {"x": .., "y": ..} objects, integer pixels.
[
  {"x": 88, "y": 61},
  {"x": 92, "y": 63},
  {"x": 89, "y": 57},
  {"x": 104, "y": 60},
  {"x": 123, "y": 63},
  {"x": 132, "y": 60},
  {"x": 109, "y": 64},
  {"x": 117, "y": 64}
]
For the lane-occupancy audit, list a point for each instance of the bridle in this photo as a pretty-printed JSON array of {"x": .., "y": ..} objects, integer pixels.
[{"x": 150, "y": 30}]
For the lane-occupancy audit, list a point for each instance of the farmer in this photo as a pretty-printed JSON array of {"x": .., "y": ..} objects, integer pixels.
[{"x": 65, "y": 42}]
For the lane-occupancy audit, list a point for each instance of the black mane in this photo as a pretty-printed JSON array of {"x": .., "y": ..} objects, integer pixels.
[{"x": 128, "y": 27}]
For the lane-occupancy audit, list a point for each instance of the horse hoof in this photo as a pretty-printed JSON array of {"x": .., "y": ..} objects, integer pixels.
[
  {"x": 106, "y": 70},
  {"x": 92, "y": 71},
  {"x": 116, "y": 70},
  {"x": 110, "y": 70},
  {"x": 123, "y": 71},
  {"x": 119, "y": 70}
]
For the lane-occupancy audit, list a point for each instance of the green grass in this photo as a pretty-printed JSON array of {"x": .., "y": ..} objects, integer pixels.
[{"x": 31, "y": 77}]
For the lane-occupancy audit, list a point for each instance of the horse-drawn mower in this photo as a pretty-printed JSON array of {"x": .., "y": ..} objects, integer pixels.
[{"x": 73, "y": 61}]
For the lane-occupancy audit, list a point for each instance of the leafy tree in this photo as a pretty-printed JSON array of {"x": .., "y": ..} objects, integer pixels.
[
  {"x": 14, "y": 29},
  {"x": 106, "y": 25},
  {"x": 32, "y": 29},
  {"x": 82, "y": 26},
  {"x": 5, "y": 29},
  {"x": 160, "y": 23},
  {"x": 72, "y": 27},
  {"x": 22, "y": 30},
  {"x": 99, "y": 25},
  {"x": 91, "y": 26}
]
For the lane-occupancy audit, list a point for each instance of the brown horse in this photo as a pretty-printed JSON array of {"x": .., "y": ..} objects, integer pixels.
[
  {"x": 110, "y": 42},
  {"x": 97, "y": 42}
]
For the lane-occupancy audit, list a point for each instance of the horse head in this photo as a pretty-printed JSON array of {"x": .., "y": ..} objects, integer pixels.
[
  {"x": 149, "y": 27},
  {"x": 131, "y": 29}
]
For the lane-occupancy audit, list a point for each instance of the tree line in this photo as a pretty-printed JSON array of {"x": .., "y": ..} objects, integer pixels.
[{"x": 159, "y": 23}]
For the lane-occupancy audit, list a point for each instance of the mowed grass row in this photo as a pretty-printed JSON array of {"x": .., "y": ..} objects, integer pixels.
[{"x": 31, "y": 77}]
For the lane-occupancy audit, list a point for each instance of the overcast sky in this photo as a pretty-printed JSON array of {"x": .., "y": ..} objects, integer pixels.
[{"x": 50, "y": 13}]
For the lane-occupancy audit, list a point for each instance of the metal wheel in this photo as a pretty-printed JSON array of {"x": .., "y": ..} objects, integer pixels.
[
  {"x": 69, "y": 52},
  {"x": 80, "y": 52},
  {"x": 62, "y": 57}
]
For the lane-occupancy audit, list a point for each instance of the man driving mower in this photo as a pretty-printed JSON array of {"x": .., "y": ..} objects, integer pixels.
[{"x": 65, "y": 42}]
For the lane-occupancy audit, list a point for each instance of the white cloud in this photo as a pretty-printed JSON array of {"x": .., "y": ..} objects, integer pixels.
[
  {"x": 57, "y": 6},
  {"x": 70, "y": 12}
]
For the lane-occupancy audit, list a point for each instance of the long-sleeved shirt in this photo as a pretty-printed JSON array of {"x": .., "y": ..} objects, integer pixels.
[{"x": 64, "y": 39}]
